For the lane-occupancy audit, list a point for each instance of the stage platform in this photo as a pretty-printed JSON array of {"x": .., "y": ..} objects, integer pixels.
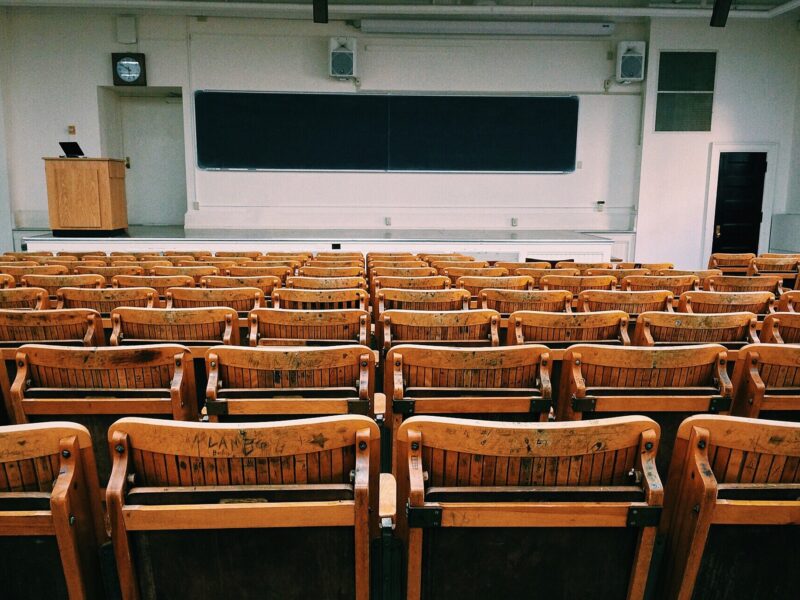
[{"x": 489, "y": 244}]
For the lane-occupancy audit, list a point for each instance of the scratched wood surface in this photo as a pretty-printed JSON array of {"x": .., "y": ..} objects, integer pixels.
[
  {"x": 289, "y": 326},
  {"x": 667, "y": 328},
  {"x": 108, "y": 272},
  {"x": 508, "y": 301},
  {"x": 729, "y": 262},
  {"x": 160, "y": 283},
  {"x": 462, "y": 326},
  {"x": 29, "y": 298},
  {"x": 302, "y": 299},
  {"x": 455, "y": 273},
  {"x": 532, "y": 327},
  {"x": 326, "y": 283},
  {"x": 577, "y": 283},
  {"x": 184, "y": 325},
  {"x": 279, "y": 271},
  {"x": 429, "y": 300},
  {"x": 107, "y": 299},
  {"x": 732, "y": 283},
  {"x": 240, "y": 299},
  {"x": 781, "y": 328},
  {"x": 194, "y": 272},
  {"x": 435, "y": 282},
  {"x": 78, "y": 326},
  {"x": 767, "y": 382},
  {"x": 582, "y": 266},
  {"x": 632, "y": 303},
  {"x": 265, "y": 283},
  {"x": 475, "y": 284},
  {"x": 677, "y": 284},
  {"x": 52, "y": 283},
  {"x": 759, "y": 303}
]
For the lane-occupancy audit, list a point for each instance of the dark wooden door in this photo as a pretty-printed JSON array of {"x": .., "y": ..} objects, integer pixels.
[{"x": 740, "y": 191}]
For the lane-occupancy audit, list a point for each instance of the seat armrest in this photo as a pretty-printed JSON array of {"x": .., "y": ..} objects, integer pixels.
[{"x": 387, "y": 508}]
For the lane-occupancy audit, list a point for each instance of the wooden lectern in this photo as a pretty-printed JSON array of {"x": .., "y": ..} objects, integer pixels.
[{"x": 86, "y": 195}]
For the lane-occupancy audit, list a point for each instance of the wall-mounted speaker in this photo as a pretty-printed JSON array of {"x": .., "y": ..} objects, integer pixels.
[
  {"x": 630, "y": 61},
  {"x": 342, "y": 58}
]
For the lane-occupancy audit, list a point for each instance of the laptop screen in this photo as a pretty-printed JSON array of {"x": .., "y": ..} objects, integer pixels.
[{"x": 71, "y": 149}]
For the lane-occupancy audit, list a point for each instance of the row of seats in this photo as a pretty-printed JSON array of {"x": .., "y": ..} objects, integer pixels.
[{"x": 295, "y": 509}]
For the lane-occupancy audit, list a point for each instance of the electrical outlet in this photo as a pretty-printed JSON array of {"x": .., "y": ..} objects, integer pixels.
[
  {"x": 514, "y": 221},
  {"x": 387, "y": 221},
  {"x": 71, "y": 130}
]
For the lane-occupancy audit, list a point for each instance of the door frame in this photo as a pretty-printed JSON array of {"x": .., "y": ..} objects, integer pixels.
[{"x": 767, "y": 200}]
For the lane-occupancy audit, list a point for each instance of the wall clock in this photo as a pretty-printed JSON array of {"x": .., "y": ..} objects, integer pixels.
[{"x": 129, "y": 68}]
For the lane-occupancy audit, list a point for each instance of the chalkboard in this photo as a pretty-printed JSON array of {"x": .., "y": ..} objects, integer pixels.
[{"x": 383, "y": 132}]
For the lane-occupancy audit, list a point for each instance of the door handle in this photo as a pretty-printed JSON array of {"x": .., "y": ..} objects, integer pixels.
[{"x": 717, "y": 232}]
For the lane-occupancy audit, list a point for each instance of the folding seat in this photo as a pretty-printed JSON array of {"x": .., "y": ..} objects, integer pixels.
[
  {"x": 632, "y": 303},
  {"x": 266, "y": 283},
  {"x": 281, "y": 272},
  {"x": 326, "y": 283},
  {"x": 52, "y": 283},
  {"x": 577, "y": 283},
  {"x": 72, "y": 327},
  {"x": 448, "y": 328},
  {"x": 454, "y": 273},
  {"x": 665, "y": 384},
  {"x": 620, "y": 274},
  {"x": 286, "y": 382},
  {"x": 442, "y": 265},
  {"x": 475, "y": 284},
  {"x": 766, "y": 380},
  {"x": 434, "y": 282},
  {"x": 301, "y": 299},
  {"x": 190, "y": 326},
  {"x": 90, "y": 254},
  {"x": 559, "y": 330},
  {"x": 539, "y": 510},
  {"x": 731, "y": 264},
  {"x": 335, "y": 264},
  {"x": 781, "y": 328},
  {"x": 160, "y": 283},
  {"x": 7, "y": 281},
  {"x": 242, "y": 299},
  {"x": 583, "y": 267},
  {"x": 732, "y": 510},
  {"x": 732, "y": 330},
  {"x": 429, "y": 300},
  {"x": 252, "y": 254},
  {"x": 760, "y": 303},
  {"x": 108, "y": 271},
  {"x": 677, "y": 284},
  {"x": 51, "y": 519},
  {"x": 537, "y": 273},
  {"x": 662, "y": 266},
  {"x": 286, "y": 327},
  {"x": 193, "y": 253},
  {"x": 331, "y": 272},
  {"x": 223, "y": 265},
  {"x": 508, "y": 301},
  {"x": 147, "y": 266},
  {"x": 513, "y": 267},
  {"x": 95, "y": 386},
  {"x": 107, "y": 299},
  {"x": 732, "y": 283},
  {"x": 29, "y": 298},
  {"x": 789, "y": 301},
  {"x": 17, "y": 271},
  {"x": 195, "y": 272}
]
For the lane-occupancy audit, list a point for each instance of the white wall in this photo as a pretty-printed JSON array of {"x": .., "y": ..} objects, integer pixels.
[
  {"x": 793, "y": 197},
  {"x": 6, "y": 242},
  {"x": 755, "y": 95}
]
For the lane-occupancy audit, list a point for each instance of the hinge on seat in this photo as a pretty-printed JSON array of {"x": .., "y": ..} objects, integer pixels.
[
  {"x": 358, "y": 407},
  {"x": 540, "y": 405},
  {"x": 403, "y": 406},
  {"x": 216, "y": 407},
  {"x": 424, "y": 516},
  {"x": 644, "y": 516},
  {"x": 719, "y": 404},
  {"x": 586, "y": 404}
]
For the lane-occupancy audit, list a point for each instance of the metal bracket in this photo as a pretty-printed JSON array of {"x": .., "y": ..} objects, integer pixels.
[
  {"x": 358, "y": 407},
  {"x": 424, "y": 516},
  {"x": 586, "y": 404},
  {"x": 216, "y": 407},
  {"x": 540, "y": 405},
  {"x": 719, "y": 404},
  {"x": 644, "y": 516},
  {"x": 403, "y": 406}
]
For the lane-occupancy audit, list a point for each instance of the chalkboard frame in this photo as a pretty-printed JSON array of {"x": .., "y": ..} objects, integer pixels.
[{"x": 571, "y": 97}]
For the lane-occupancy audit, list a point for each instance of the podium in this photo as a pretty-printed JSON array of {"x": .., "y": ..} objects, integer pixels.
[{"x": 86, "y": 195}]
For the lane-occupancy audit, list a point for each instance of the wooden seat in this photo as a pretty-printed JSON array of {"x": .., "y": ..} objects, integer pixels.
[
  {"x": 766, "y": 379},
  {"x": 430, "y": 258},
  {"x": 677, "y": 284},
  {"x": 429, "y": 300},
  {"x": 238, "y": 253},
  {"x": 118, "y": 253},
  {"x": 17, "y": 272},
  {"x": 190, "y": 326},
  {"x": 731, "y": 283},
  {"x": 508, "y": 301},
  {"x": 540, "y": 510},
  {"x": 194, "y": 253},
  {"x": 82, "y": 255},
  {"x": 29, "y": 298},
  {"x": 160, "y": 283},
  {"x": 732, "y": 330},
  {"x": 654, "y": 266},
  {"x": 285, "y": 327},
  {"x": 781, "y": 328},
  {"x": 194, "y": 272},
  {"x": 666, "y": 384},
  {"x": 577, "y": 283},
  {"x": 95, "y": 386},
  {"x": 513, "y": 267},
  {"x": 52, "y": 283},
  {"x": 784, "y": 267},
  {"x": 632, "y": 303},
  {"x": 271, "y": 499},
  {"x": 8, "y": 282},
  {"x": 377, "y": 272},
  {"x": 537, "y": 273},
  {"x": 107, "y": 299},
  {"x": 732, "y": 510},
  {"x": 759, "y": 303},
  {"x": 221, "y": 264},
  {"x": 300, "y": 299},
  {"x": 730, "y": 264},
  {"x": 455, "y": 273},
  {"x": 50, "y": 513},
  {"x": 789, "y": 301},
  {"x": 449, "y": 328},
  {"x": 107, "y": 271},
  {"x": 397, "y": 264},
  {"x": 335, "y": 264},
  {"x": 26, "y": 254},
  {"x": 109, "y": 260},
  {"x": 75, "y": 327},
  {"x": 326, "y": 283},
  {"x": 619, "y": 274},
  {"x": 301, "y": 256},
  {"x": 213, "y": 260},
  {"x": 239, "y": 299},
  {"x": 331, "y": 272},
  {"x": 702, "y": 274},
  {"x": 338, "y": 254},
  {"x": 435, "y": 282},
  {"x": 265, "y": 283},
  {"x": 502, "y": 383},
  {"x": 65, "y": 260},
  {"x": 264, "y": 383},
  {"x": 146, "y": 265},
  {"x": 445, "y": 265},
  {"x": 266, "y": 262},
  {"x": 583, "y": 267},
  {"x": 559, "y": 330},
  {"x": 475, "y": 284}
]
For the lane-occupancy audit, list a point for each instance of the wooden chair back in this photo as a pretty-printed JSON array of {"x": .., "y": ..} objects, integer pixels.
[
  {"x": 264, "y": 383},
  {"x": 781, "y": 328},
  {"x": 266, "y": 263},
  {"x": 286, "y": 327},
  {"x": 213, "y": 260},
  {"x": 26, "y": 254},
  {"x": 434, "y": 282},
  {"x": 730, "y": 516},
  {"x": 107, "y": 271},
  {"x": 732, "y": 330},
  {"x": 334, "y": 256},
  {"x": 331, "y": 272},
  {"x": 619, "y": 274},
  {"x": 402, "y": 271},
  {"x": 146, "y": 265},
  {"x": 52, "y": 283},
  {"x": 90, "y": 254},
  {"x": 702, "y": 274},
  {"x": 513, "y": 267},
  {"x": 445, "y": 257},
  {"x": 239, "y": 299},
  {"x": 190, "y": 326},
  {"x": 18, "y": 272},
  {"x": 578, "y": 283},
  {"x": 193, "y": 253},
  {"x": 766, "y": 379},
  {"x": 730, "y": 263},
  {"x": 51, "y": 516},
  {"x": 732, "y": 283},
  {"x": 759, "y": 303},
  {"x": 221, "y": 264},
  {"x": 583, "y": 267},
  {"x": 445, "y": 265},
  {"x": 666, "y": 384},
  {"x": 296, "y": 256},
  {"x": 559, "y": 330},
  {"x": 632, "y": 303},
  {"x": 65, "y": 260},
  {"x": 251, "y": 254},
  {"x": 528, "y": 495},
  {"x": 109, "y": 260},
  {"x": 265, "y": 283},
  {"x": 335, "y": 264},
  {"x": 299, "y": 299},
  {"x": 260, "y": 515},
  {"x": 475, "y": 284},
  {"x": 677, "y": 284},
  {"x": 662, "y": 266},
  {"x": 326, "y": 283},
  {"x": 789, "y": 301},
  {"x": 194, "y": 272},
  {"x": 397, "y": 263},
  {"x": 160, "y": 283},
  {"x": 8, "y": 282},
  {"x": 75, "y": 327},
  {"x": 449, "y": 328},
  {"x": 107, "y": 299},
  {"x": 24, "y": 298},
  {"x": 782, "y": 266},
  {"x": 429, "y": 300},
  {"x": 508, "y": 301}
]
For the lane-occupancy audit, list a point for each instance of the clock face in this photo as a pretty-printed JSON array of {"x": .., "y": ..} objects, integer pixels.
[{"x": 129, "y": 69}]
